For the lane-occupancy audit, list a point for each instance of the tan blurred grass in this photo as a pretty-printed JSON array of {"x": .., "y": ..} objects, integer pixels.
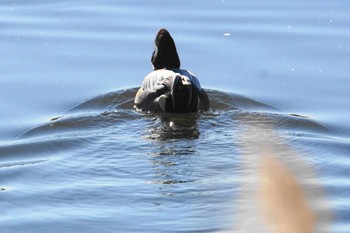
[
  {"x": 284, "y": 202},
  {"x": 280, "y": 191}
]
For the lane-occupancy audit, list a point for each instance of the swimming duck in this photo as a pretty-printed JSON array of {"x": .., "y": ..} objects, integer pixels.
[{"x": 168, "y": 88}]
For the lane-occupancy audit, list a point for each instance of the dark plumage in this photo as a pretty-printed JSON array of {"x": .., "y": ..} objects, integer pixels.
[{"x": 165, "y": 54}]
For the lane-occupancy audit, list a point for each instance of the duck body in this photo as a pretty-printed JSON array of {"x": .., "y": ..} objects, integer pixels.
[
  {"x": 169, "y": 88},
  {"x": 175, "y": 90}
]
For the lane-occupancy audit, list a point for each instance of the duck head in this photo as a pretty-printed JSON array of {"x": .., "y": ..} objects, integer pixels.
[{"x": 165, "y": 54}]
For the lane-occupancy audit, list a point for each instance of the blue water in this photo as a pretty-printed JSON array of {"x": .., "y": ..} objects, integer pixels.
[{"x": 76, "y": 157}]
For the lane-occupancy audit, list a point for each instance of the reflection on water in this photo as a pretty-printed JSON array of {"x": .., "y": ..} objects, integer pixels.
[
  {"x": 167, "y": 162},
  {"x": 173, "y": 126}
]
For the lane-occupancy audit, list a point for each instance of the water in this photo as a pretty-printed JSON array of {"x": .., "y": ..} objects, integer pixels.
[{"x": 75, "y": 156}]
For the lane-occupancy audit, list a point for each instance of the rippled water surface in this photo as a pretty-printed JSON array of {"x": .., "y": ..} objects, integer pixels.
[{"x": 76, "y": 157}]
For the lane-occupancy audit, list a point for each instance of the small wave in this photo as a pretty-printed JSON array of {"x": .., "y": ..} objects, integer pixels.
[
  {"x": 94, "y": 115},
  {"x": 21, "y": 163},
  {"x": 121, "y": 99},
  {"x": 223, "y": 101}
]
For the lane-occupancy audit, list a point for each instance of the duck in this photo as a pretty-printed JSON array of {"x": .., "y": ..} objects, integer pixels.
[{"x": 168, "y": 88}]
